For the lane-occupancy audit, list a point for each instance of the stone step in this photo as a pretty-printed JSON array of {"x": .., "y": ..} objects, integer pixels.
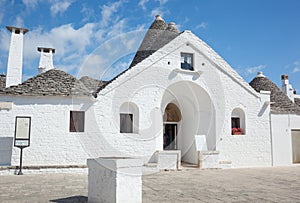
[
  {"x": 150, "y": 168},
  {"x": 225, "y": 164}
]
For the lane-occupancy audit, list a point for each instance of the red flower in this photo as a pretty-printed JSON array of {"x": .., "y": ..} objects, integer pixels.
[{"x": 237, "y": 130}]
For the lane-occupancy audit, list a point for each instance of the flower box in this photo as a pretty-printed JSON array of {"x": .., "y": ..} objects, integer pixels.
[{"x": 236, "y": 131}]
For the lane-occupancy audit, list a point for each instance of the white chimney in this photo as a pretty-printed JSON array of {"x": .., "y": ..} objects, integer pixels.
[
  {"x": 287, "y": 88},
  {"x": 46, "y": 59},
  {"x": 15, "y": 56}
]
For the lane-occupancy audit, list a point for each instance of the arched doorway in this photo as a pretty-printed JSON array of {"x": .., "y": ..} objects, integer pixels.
[
  {"x": 172, "y": 117},
  {"x": 197, "y": 117}
]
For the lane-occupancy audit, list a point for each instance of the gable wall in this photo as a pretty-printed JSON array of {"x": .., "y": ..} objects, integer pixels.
[{"x": 145, "y": 85}]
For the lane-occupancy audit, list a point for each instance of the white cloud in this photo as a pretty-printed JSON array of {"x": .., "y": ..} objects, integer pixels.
[
  {"x": 254, "y": 69},
  {"x": 88, "y": 13},
  {"x": 107, "y": 11},
  {"x": 162, "y": 2},
  {"x": 59, "y": 7},
  {"x": 4, "y": 40},
  {"x": 159, "y": 11},
  {"x": 142, "y": 3},
  {"x": 202, "y": 25},
  {"x": 30, "y": 3},
  {"x": 19, "y": 22},
  {"x": 296, "y": 69},
  {"x": 71, "y": 45}
]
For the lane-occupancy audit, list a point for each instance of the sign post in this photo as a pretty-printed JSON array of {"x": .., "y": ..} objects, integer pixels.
[{"x": 22, "y": 136}]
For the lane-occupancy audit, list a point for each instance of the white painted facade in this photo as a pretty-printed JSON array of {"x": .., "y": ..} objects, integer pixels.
[
  {"x": 282, "y": 127},
  {"x": 51, "y": 142},
  {"x": 207, "y": 98}
]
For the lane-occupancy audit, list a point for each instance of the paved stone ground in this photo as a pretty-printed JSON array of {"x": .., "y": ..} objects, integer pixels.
[{"x": 279, "y": 184}]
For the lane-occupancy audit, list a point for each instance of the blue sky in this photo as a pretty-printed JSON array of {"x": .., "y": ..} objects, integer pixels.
[{"x": 251, "y": 35}]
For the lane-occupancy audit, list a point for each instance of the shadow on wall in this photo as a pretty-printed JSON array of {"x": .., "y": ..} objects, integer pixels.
[
  {"x": 73, "y": 199},
  {"x": 6, "y": 145}
]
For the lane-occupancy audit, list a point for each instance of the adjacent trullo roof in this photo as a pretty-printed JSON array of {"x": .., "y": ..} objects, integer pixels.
[
  {"x": 2, "y": 81},
  {"x": 280, "y": 102},
  {"x": 51, "y": 83},
  {"x": 297, "y": 101}
]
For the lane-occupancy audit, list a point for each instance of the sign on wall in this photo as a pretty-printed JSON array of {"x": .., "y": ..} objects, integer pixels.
[
  {"x": 200, "y": 141},
  {"x": 22, "y": 131}
]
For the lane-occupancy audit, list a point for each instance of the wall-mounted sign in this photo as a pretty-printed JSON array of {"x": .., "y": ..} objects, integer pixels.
[
  {"x": 6, "y": 105},
  {"x": 22, "y": 131},
  {"x": 200, "y": 141}
]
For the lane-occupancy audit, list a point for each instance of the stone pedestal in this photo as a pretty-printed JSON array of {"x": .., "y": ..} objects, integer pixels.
[
  {"x": 169, "y": 159},
  {"x": 114, "y": 179}
]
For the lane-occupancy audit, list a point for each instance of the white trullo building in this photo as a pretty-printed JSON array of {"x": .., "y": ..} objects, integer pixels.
[{"x": 178, "y": 101}]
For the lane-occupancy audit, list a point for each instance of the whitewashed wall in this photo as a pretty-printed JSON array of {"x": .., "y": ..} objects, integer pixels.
[
  {"x": 282, "y": 125},
  {"x": 51, "y": 142}
]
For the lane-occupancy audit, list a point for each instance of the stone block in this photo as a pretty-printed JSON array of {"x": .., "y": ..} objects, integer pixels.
[{"x": 114, "y": 179}]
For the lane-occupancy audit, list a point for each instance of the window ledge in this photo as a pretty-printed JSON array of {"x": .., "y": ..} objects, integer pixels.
[{"x": 192, "y": 72}]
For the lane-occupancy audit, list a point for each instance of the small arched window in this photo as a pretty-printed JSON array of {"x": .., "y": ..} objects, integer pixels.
[
  {"x": 238, "y": 124},
  {"x": 129, "y": 118}
]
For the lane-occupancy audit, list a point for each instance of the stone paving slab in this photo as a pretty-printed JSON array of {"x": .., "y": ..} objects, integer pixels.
[{"x": 277, "y": 184}]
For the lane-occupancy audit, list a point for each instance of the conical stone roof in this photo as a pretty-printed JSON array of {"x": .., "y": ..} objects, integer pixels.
[
  {"x": 2, "y": 81},
  {"x": 51, "y": 83},
  {"x": 281, "y": 103},
  {"x": 297, "y": 101},
  {"x": 158, "y": 35}
]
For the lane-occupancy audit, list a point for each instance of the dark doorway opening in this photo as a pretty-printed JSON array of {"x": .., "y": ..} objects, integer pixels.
[{"x": 170, "y": 136}]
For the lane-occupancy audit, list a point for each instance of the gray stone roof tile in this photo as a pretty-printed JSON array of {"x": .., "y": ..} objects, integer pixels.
[
  {"x": 51, "y": 83},
  {"x": 297, "y": 101},
  {"x": 282, "y": 104},
  {"x": 92, "y": 84},
  {"x": 2, "y": 81}
]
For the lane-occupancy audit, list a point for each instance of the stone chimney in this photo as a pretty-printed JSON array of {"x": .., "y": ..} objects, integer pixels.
[
  {"x": 46, "y": 59},
  {"x": 15, "y": 56},
  {"x": 260, "y": 75},
  {"x": 172, "y": 27},
  {"x": 287, "y": 88}
]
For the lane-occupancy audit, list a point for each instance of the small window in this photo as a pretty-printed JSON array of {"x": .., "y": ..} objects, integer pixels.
[
  {"x": 126, "y": 123},
  {"x": 76, "y": 121},
  {"x": 235, "y": 123},
  {"x": 238, "y": 126},
  {"x": 187, "y": 61}
]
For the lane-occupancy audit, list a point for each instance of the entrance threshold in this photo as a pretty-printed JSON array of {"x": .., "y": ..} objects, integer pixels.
[{"x": 185, "y": 165}]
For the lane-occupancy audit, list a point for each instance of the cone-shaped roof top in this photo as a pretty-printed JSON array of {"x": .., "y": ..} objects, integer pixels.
[
  {"x": 282, "y": 104},
  {"x": 158, "y": 35}
]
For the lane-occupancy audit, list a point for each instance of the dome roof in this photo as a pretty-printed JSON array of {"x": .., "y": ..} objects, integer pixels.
[{"x": 282, "y": 104}]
